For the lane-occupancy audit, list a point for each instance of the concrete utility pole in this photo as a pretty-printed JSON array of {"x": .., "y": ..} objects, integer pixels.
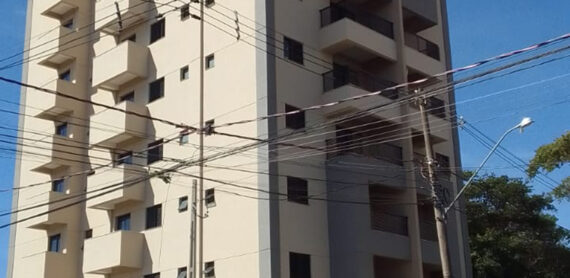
[
  {"x": 201, "y": 189},
  {"x": 193, "y": 207},
  {"x": 436, "y": 192}
]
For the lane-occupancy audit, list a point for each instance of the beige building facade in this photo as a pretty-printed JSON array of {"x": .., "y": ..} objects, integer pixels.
[{"x": 341, "y": 193}]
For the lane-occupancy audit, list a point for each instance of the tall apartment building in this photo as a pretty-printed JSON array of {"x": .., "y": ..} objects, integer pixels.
[{"x": 360, "y": 208}]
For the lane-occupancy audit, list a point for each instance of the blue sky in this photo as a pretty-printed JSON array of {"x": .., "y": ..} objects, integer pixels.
[{"x": 479, "y": 29}]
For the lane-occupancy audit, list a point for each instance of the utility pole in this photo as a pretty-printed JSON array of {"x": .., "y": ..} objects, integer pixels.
[
  {"x": 201, "y": 189},
  {"x": 193, "y": 207},
  {"x": 436, "y": 192}
]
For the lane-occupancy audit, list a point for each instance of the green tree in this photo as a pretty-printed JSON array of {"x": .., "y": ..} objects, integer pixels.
[
  {"x": 511, "y": 232},
  {"x": 550, "y": 157}
]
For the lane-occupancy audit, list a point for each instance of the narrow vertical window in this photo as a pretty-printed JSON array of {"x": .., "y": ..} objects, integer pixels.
[
  {"x": 183, "y": 204},
  {"x": 184, "y": 73},
  {"x": 182, "y": 273},
  {"x": 61, "y": 129},
  {"x": 154, "y": 152},
  {"x": 293, "y": 50},
  {"x": 58, "y": 185},
  {"x": 299, "y": 265},
  {"x": 294, "y": 121},
  {"x": 209, "y": 270},
  {"x": 54, "y": 243},
  {"x": 297, "y": 190},
  {"x": 156, "y": 90},
  {"x": 123, "y": 222},
  {"x": 210, "y": 61},
  {"x": 157, "y": 30},
  {"x": 130, "y": 96},
  {"x": 89, "y": 234},
  {"x": 210, "y": 198},
  {"x": 154, "y": 216},
  {"x": 185, "y": 12}
]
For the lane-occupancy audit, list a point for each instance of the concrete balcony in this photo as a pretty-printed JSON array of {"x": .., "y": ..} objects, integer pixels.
[
  {"x": 55, "y": 218},
  {"x": 133, "y": 193},
  {"x": 60, "y": 151},
  {"x": 48, "y": 264},
  {"x": 126, "y": 126},
  {"x": 51, "y": 106},
  {"x": 419, "y": 14},
  {"x": 122, "y": 64},
  {"x": 361, "y": 39},
  {"x": 60, "y": 51},
  {"x": 57, "y": 8},
  {"x": 350, "y": 90},
  {"x": 133, "y": 12},
  {"x": 118, "y": 252}
]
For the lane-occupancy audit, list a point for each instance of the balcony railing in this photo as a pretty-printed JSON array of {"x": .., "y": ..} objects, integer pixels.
[
  {"x": 389, "y": 223},
  {"x": 436, "y": 107},
  {"x": 341, "y": 76},
  {"x": 335, "y": 13},
  {"x": 422, "y": 45},
  {"x": 385, "y": 152}
]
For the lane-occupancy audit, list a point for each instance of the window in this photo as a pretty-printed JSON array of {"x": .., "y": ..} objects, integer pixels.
[
  {"x": 130, "y": 96},
  {"x": 54, "y": 243},
  {"x": 294, "y": 121},
  {"x": 299, "y": 265},
  {"x": 154, "y": 216},
  {"x": 183, "y": 204},
  {"x": 61, "y": 129},
  {"x": 123, "y": 222},
  {"x": 157, "y": 30},
  {"x": 210, "y": 3},
  {"x": 210, "y": 198},
  {"x": 154, "y": 152},
  {"x": 68, "y": 24},
  {"x": 58, "y": 185},
  {"x": 293, "y": 50},
  {"x": 89, "y": 234},
  {"x": 210, "y": 61},
  {"x": 184, "y": 73},
  {"x": 185, "y": 12},
  {"x": 184, "y": 136},
  {"x": 209, "y": 270},
  {"x": 182, "y": 273},
  {"x": 297, "y": 190},
  {"x": 154, "y": 275},
  {"x": 66, "y": 75},
  {"x": 124, "y": 158},
  {"x": 156, "y": 90}
]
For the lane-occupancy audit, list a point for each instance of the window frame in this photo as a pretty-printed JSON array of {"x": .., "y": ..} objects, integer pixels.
[
  {"x": 54, "y": 239},
  {"x": 181, "y": 200},
  {"x": 125, "y": 158},
  {"x": 185, "y": 12},
  {"x": 295, "y": 121},
  {"x": 154, "y": 95},
  {"x": 184, "y": 73},
  {"x": 153, "y": 217},
  {"x": 157, "y": 30},
  {"x": 151, "y": 156},
  {"x": 210, "y": 62},
  {"x": 121, "y": 220},
  {"x": 295, "y": 260},
  {"x": 61, "y": 129},
  {"x": 210, "y": 197},
  {"x": 293, "y": 50},
  {"x": 297, "y": 190}
]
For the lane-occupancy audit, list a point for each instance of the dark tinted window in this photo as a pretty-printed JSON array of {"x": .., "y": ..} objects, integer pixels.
[
  {"x": 58, "y": 185},
  {"x": 185, "y": 12},
  {"x": 156, "y": 90},
  {"x": 297, "y": 190},
  {"x": 61, "y": 129},
  {"x": 123, "y": 223},
  {"x": 154, "y": 152},
  {"x": 299, "y": 265},
  {"x": 125, "y": 158},
  {"x": 54, "y": 243},
  {"x": 66, "y": 75},
  {"x": 154, "y": 216},
  {"x": 293, "y": 50},
  {"x": 294, "y": 121},
  {"x": 157, "y": 30},
  {"x": 130, "y": 96}
]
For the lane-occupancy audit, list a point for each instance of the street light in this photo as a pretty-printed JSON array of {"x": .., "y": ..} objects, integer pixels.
[{"x": 525, "y": 122}]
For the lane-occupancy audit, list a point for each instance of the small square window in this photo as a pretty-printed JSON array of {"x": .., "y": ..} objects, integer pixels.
[
  {"x": 299, "y": 265},
  {"x": 185, "y": 12},
  {"x": 58, "y": 185},
  {"x": 210, "y": 61},
  {"x": 68, "y": 24},
  {"x": 89, "y": 234},
  {"x": 297, "y": 190},
  {"x": 154, "y": 152},
  {"x": 182, "y": 273},
  {"x": 184, "y": 73},
  {"x": 61, "y": 129},
  {"x": 157, "y": 30},
  {"x": 156, "y": 90},
  {"x": 54, "y": 243},
  {"x": 184, "y": 137},
  {"x": 123, "y": 222},
  {"x": 210, "y": 198},
  {"x": 154, "y": 275},
  {"x": 66, "y": 75},
  {"x": 130, "y": 96},
  {"x": 183, "y": 204},
  {"x": 154, "y": 216},
  {"x": 209, "y": 271},
  {"x": 210, "y": 3},
  {"x": 293, "y": 50},
  {"x": 294, "y": 121}
]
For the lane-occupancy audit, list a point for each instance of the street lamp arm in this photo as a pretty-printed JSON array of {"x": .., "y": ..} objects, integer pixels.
[{"x": 480, "y": 167}]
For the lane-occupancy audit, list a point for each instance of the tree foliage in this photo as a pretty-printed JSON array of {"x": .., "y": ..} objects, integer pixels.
[
  {"x": 512, "y": 234},
  {"x": 550, "y": 157}
]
